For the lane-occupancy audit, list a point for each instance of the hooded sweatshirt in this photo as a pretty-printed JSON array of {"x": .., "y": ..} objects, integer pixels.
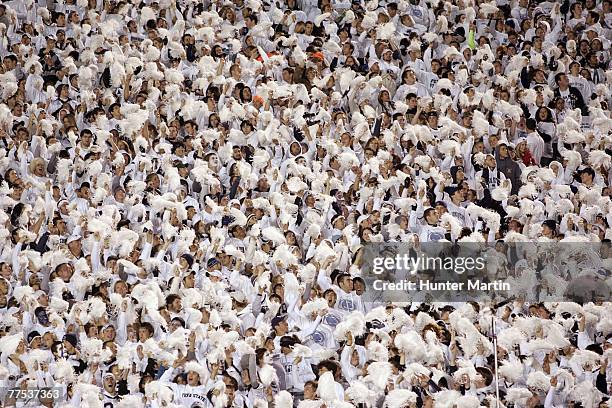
[{"x": 511, "y": 170}]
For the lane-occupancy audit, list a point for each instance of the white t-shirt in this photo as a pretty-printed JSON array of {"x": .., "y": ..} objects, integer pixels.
[{"x": 536, "y": 146}]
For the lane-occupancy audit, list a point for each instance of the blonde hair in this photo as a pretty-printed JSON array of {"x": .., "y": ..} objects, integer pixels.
[{"x": 36, "y": 162}]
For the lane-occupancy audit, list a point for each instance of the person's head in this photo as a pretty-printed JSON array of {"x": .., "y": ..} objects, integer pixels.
[
  {"x": 191, "y": 128},
  {"x": 119, "y": 194},
  {"x": 110, "y": 383},
  {"x": 91, "y": 330},
  {"x": 231, "y": 386},
  {"x": 145, "y": 331},
  {"x": 34, "y": 340},
  {"x": 108, "y": 333},
  {"x": 86, "y": 138},
  {"x": 345, "y": 282},
  {"x": 503, "y": 150},
  {"x": 174, "y": 303},
  {"x": 549, "y": 229},
  {"x": 6, "y": 270},
  {"x": 576, "y": 9},
  {"x": 562, "y": 81},
  {"x": 543, "y": 115},
  {"x": 587, "y": 176},
  {"x": 327, "y": 366},
  {"x": 237, "y": 152},
  {"x": 596, "y": 47},
  {"x": 521, "y": 146},
  {"x": 38, "y": 167},
  {"x": 57, "y": 348},
  {"x": 359, "y": 286},
  {"x": 384, "y": 96},
  {"x": 310, "y": 390},
  {"x": 193, "y": 378},
  {"x": 9, "y": 62},
  {"x": 251, "y": 21},
  {"x": 484, "y": 378},
  {"x": 592, "y": 59},
  {"x": 60, "y": 19},
  {"x": 287, "y": 74},
  {"x": 48, "y": 339},
  {"x": 64, "y": 271},
  {"x": 74, "y": 245},
  {"x": 70, "y": 343},
  {"x": 246, "y": 95},
  {"x": 387, "y": 55},
  {"x": 347, "y": 49},
  {"x": 431, "y": 216},
  {"x": 409, "y": 77},
  {"x": 331, "y": 297},
  {"x": 236, "y": 71},
  {"x": 457, "y": 195},
  {"x": 287, "y": 343},
  {"x": 280, "y": 325},
  {"x": 153, "y": 181}
]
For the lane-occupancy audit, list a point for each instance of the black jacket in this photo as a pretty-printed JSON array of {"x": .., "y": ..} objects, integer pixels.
[{"x": 575, "y": 100}]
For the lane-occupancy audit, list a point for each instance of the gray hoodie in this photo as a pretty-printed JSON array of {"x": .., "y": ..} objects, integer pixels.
[{"x": 511, "y": 170}]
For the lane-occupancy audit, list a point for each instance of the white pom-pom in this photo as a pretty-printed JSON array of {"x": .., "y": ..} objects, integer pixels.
[
  {"x": 273, "y": 234},
  {"x": 283, "y": 399},
  {"x": 599, "y": 158},
  {"x": 400, "y": 398},
  {"x": 267, "y": 375},
  {"x": 538, "y": 381},
  {"x": 449, "y": 148},
  {"x": 511, "y": 370},
  {"x": 327, "y": 387},
  {"x": 354, "y": 323},
  {"x": 378, "y": 374}
]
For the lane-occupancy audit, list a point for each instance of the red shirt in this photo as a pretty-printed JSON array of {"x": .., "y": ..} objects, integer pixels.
[{"x": 528, "y": 159}]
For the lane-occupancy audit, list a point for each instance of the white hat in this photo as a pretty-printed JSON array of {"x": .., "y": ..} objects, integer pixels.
[{"x": 73, "y": 238}]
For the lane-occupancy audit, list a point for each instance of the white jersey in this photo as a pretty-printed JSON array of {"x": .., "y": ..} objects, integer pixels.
[
  {"x": 431, "y": 233},
  {"x": 348, "y": 302}
]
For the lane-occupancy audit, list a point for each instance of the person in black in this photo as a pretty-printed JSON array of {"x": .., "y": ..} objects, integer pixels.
[
  {"x": 509, "y": 167},
  {"x": 571, "y": 96}
]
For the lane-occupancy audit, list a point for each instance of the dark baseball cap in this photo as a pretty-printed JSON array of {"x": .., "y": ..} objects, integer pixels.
[
  {"x": 288, "y": 341},
  {"x": 33, "y": 335},
  {"x": 278, "y": 320}
]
